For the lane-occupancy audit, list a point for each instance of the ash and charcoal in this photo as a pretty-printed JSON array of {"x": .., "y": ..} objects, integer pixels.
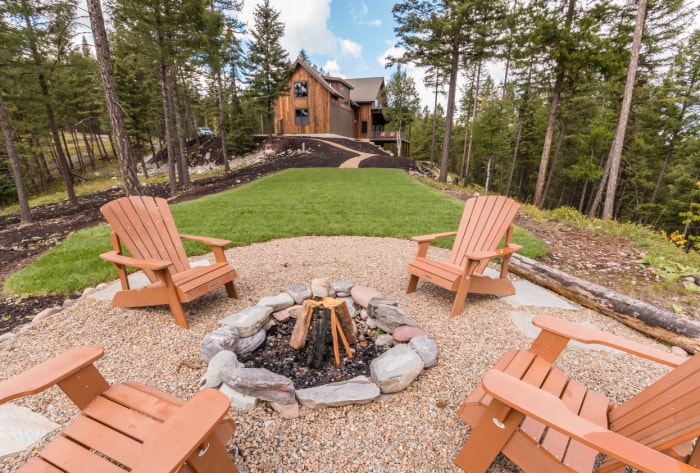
[{"x": 276, "y": 355}]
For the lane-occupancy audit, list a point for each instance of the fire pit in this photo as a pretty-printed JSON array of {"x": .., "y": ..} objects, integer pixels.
[{"x": 289, "y": 359}]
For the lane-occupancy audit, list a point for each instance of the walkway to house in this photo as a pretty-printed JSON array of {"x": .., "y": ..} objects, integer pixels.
[{"x": 352, "y": 162}]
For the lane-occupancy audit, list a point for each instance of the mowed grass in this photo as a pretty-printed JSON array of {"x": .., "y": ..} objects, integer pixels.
[{"x": 296, "y": 202}]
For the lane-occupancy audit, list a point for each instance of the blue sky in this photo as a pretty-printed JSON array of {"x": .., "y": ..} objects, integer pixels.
[{"x": 347, "y": 38}]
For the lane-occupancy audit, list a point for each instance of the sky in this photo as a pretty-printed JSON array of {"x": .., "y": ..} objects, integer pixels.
[{"x": 346, "y": 38}]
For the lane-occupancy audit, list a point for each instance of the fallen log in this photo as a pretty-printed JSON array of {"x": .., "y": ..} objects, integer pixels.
[{"x": 651, "y": 320}]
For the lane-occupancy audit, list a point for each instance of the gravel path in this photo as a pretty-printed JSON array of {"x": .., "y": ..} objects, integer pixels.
[{"x": 416, "y": 430}]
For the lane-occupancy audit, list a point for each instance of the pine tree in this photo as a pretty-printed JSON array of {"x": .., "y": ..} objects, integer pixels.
[
  {"x": 268, "y": 64},
  {"x": 402, "y": 103},
  {"x": 109, "y": 86},
  {"x": 439, "y": 33}
]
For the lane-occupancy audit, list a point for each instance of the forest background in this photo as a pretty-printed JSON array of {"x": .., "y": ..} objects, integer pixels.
[{"x": 598, "y": 108}]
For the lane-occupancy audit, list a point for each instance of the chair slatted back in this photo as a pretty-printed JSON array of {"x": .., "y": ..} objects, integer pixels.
[
  {"x": 145, "y": 226},
  {"x": 666, "y": 413},
  {"x": 485, "y": 221}
]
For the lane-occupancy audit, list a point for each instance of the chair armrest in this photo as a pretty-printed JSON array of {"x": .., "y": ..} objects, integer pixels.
[
  {"x": 206, "y": 240},
  {"x": 48, "y": 373},
  {"x": 149, "y": 263},
  {"x": 588, "y": 335},
  {"x": 432, "y": 236},
  {"x": 480, "y": 255},
  {"x": 551, "y": 411},
  {"x": 172, "y": 442}
]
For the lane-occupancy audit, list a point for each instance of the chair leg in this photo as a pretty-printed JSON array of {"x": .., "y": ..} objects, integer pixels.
[
  {"x": 488, "y": 438},
  {"x": 231, "y": 289},
  {"x": 179, "y": 314},
  {"x": 213, "y": 458},
  {"x": 461, "y": 296},
  {"x": 412, "y": 284}
]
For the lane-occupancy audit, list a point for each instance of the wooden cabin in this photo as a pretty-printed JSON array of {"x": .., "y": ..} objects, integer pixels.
[{"x": 319, "y": 104}]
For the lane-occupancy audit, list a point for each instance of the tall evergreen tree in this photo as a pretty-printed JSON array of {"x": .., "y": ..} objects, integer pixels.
[
  {"x": 616, "y": 149},
  {"x": 45, "y": 31},
  {"x": 268, "y": 63},
  {"x": 109, "y": 86},
  {"x": 441, "y": 33},
  {"x": 24, "y": 212},
  {"x": 402, "y": 103}
]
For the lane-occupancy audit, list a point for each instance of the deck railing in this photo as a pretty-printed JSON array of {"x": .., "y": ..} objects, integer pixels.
[{"x": 379, "y": 135}]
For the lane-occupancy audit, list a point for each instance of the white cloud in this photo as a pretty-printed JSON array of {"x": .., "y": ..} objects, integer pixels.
[
  {"x": 306, "y": 27},
  {"x": 359, "y": 13},
  {"x": 332, "y": 68},
  {"x": 350, "y": 47}
]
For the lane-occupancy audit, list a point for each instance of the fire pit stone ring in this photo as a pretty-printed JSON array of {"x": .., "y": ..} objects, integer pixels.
[{"x": 403, "y": 352}]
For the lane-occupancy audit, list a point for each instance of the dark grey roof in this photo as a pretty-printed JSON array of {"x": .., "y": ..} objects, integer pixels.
[{"x": 366, "y": 89}]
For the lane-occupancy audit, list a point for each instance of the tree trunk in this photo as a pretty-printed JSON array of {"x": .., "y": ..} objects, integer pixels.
[
  {"x": 538, "y": 199},
  {"x": 24, "y": 212},
  {"x": 475, "y": 107},
  {"x": 450, "y": 110},
  {"x": 182, "y": 167},
  {"x": 616, "y": 150},
  {"x": 169, "y": 128},
  {"x": 432, "y": 139},
  {"x": 557, "y": 152},
  {"x": 65, "y": 146},
  {"x": 658, "y": 323},
  {"x": 593, "y": 209},
  {"x": 122, "y": 147},
  {"x": 222, "y": 121},
  {"x": 78, "y": 152}
]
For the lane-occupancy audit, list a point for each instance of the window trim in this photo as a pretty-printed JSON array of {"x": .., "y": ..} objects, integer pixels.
[
  {"x": 299, "y": 118},
  {"x": 306, "y": 90}
]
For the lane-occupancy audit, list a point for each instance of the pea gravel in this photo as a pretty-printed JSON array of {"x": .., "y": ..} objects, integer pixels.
[{"x": 416, "y": 430}]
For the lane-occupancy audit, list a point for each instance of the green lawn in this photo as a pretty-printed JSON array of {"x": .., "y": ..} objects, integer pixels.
[{"x": 296, "y": 202}]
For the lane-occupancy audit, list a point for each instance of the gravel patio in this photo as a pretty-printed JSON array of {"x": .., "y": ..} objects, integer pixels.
[{"x": 416, "y": 430}]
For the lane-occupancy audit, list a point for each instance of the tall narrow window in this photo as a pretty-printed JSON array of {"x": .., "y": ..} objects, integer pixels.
[
  {"x": 301, "y": 89},
  {"x": 301, "y": 116},
  {"x": 364, "y": 127}
]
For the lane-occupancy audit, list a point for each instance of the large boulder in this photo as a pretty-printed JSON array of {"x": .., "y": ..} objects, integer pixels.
[
  {"x": 212, "y": 378},
  {"x": 426, "y": 349},
  {"x": 223, "y": 338},
  {"x": 260, "y": 383},
  {"x": 249, "y": 321},
  {"x": 390, "y": 317},
  {"x": 396, "y": 368},
  {"x": 358, "y": 390}
]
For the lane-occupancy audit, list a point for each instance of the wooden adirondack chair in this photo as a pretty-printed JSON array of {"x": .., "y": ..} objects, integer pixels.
[
  {"x": 546, "y": 422},
  {"x": 145, "y": 226},
  {"x": 126, "y": 427},
  {"x": 484, "y": 223}
]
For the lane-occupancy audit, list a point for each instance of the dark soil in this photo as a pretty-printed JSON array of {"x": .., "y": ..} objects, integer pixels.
[{"x": 276, "y": 355}]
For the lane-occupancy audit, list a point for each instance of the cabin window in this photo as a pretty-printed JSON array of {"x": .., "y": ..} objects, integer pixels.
[
  {"x": 301, "y": 116},
  {"x": 364, "y": 127},
  {"x": 301, "y": 89}
]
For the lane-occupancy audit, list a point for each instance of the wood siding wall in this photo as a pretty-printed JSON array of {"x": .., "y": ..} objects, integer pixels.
[
  {"x": 317, "y": 102},
  {"x": 364, "y": 113}
]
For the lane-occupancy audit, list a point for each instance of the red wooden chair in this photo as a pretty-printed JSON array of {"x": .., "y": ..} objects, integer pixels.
[
  {"x": 126, "y": 427},
  {"x": 145, "y": 226},
  {"x": 485, "y": 221},
  {"x": 546, "y": 422}
]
